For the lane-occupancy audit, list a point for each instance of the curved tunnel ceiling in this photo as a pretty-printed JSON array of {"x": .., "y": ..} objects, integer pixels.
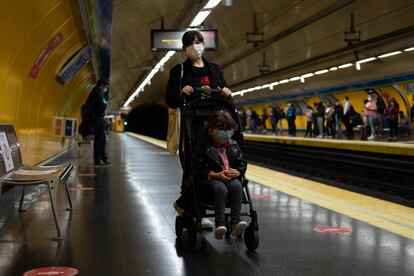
[{"x": 132, "y": 22}]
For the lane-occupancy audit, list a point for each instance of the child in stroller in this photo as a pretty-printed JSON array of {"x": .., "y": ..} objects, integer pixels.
[{"x": 218, "y": 166}]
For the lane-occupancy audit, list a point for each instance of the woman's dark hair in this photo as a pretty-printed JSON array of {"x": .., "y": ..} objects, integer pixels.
[
  {"x": 101, "y": 82},
  {"x": 190, "y": 36},
  {"x": 221, "y": 119}
]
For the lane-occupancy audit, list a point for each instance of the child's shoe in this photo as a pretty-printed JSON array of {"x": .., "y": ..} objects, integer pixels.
[
  {"x": 219, "y": 232},
  {"x": 238, "y": 229},
  {"x": 206, "y": 223}
]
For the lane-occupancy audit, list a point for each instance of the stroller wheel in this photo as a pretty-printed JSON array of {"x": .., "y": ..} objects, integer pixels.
[
  {"x": 179, "y": 226},
  {"x": 251, "y": 238}
]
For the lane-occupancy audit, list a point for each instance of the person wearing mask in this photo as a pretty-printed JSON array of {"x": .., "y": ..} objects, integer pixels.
[
  {"x": 348, "y": 112},
  {"x": 194, "y": 72},
  {"x": 219, "y": 166},
  {"x": 320, "y": 117},
  {"x": 291, "y": 117},
  {"x": 330, "y": 120},
  {"x": 391, "y": 114},
  {"x": 371, "y": 114},
  {"x": 309, "y": 119},
  {"x": 97, "y": 105}
]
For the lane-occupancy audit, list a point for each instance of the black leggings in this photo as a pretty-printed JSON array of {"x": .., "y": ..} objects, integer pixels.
[
  {"x": 308, "y": 128},
  {"x": 230, "y": 192},
  {"x": 393, "y": 127}
]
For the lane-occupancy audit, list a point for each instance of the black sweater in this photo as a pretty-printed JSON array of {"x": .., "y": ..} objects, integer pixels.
[{"x": 191, "y": 78}]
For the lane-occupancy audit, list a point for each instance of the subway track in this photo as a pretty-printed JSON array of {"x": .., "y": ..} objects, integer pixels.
[{"x": 386, "y": 176}]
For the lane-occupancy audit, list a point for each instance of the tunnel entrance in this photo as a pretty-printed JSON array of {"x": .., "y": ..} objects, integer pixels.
[{"x": 149, "y": 119}]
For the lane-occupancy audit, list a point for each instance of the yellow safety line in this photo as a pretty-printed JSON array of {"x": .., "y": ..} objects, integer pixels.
[
  {"x": 367, "y": 146},
  {"x": 157, "y": 142},
  {"x": 389, "y": 216}
]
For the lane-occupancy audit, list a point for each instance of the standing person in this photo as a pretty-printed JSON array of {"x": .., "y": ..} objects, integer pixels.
[
  {"x": 195, "y": 72},
  {"x": 281, "y": 115},
  {"x": 412, "y": 112},
  {"x": 291, "y": 117},
  {"x": 309, "y": 121},
  {"x": 330, "y": 120},
  {"x": 253, "y": 120},
  {"x": 320, "y": 118},
  {"x": 392, "y": 117},
  {"x": 380, "y": 115},
  {"x": 371, "y": 113},
  {"x": 348, "y": 112},
  {"x": 274, "y": 118},
  {"x": 243, "y": 118},
  {"x": 339, "y": 115},
  {"x": 219, "y": 164},
  {"x": 264, "y": 119},
  {"x": 97, "y": 104}
]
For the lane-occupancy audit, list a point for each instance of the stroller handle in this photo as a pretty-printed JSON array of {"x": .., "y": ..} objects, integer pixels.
[{"x": 202, "y": 93}]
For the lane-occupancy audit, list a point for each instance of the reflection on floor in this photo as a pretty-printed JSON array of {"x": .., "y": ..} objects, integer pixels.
[{"x": 125, "y": 226}]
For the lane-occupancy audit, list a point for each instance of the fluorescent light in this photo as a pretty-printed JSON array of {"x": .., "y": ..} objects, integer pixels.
[
  {"x": 345, "y": 65},
  {"x": 409, "y": 49},
  {"x": 257, "y": 87},
  {"x": 320, "y": 72},
  {"x": 295, "y": 78},
  {"x": 147, "y": 80},
  {"x": 390, "y": 54},
  {"x": 271, "y": 87},
  {"x": 333, "y": 68},
  {"x": 200, "y": 17},
  {"x": 358, "y": 66},
  {"x": 211, "y": 4},
  {"x": 366, "y": 60},
  {"x": 307, "y": 75},
  {"x": 265, "y": 86},
  {"x": 274, "y": 83},
  {"x": 284, "y": 81}
]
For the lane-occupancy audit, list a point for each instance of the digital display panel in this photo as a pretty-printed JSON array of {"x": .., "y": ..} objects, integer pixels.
[{"x": 170, "y": 40}]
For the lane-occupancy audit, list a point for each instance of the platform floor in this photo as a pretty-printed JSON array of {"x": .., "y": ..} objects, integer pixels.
[{"x": 125, "y": 226}]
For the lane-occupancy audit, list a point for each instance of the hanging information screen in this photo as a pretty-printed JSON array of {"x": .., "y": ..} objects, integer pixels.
[
  {"x": 5, "y": 149},
  {"x": 170, "y": 40}
]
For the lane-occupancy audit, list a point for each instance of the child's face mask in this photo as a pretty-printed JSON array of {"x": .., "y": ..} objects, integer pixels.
[{"x": 221, "y": 136}]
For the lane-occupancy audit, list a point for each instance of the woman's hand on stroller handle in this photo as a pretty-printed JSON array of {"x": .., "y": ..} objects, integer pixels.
[
  {"x": 187, "y": 90},
  {"x": 225, "y": 92}
]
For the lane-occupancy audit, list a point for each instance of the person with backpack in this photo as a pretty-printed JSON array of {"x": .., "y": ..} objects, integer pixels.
[
  {"x": 95, "y": 108},
  {"x": 274, "y": 118}
]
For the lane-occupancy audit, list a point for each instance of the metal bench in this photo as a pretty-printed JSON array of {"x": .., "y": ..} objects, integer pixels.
[{"x": 14, "y": 173}]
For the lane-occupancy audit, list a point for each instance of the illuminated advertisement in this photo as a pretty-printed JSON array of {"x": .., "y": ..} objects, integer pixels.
[{"x": 170, "y": 40}]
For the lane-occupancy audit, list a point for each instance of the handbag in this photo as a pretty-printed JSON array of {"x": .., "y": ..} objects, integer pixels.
[{"x": 174, "y": 120}]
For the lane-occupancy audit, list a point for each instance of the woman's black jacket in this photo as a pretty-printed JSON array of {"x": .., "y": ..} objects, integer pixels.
[
  {"x": 205, "y": 157},
  {"x": 190, "y": 77}
]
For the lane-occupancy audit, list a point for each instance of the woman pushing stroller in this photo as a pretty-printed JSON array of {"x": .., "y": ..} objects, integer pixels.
[
  {"x": 218, "y": 165},
  {"x": 195, "y": 72}
]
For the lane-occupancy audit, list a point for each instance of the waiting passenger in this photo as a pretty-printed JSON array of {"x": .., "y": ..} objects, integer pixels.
[
  {"x": 97, "y": 105},
  {"x": 330, "y": 120},
  {"x": 412, "y": 112},
  {"x": 291, "y": 117},
  {"x": 253, "y": 120},
  {"x": 392, "y": 117},
  {"x": 195, "y": 72},
  {"x": 348, "y": 112},
  {"x": 281, "y": 115},
  {"x": 309, "y": 121},
  {"x": 219, "y": 163},
  {"x": 274, "y": 118},
  {"x": 243, "y": 118},
  {"x": 320, "y": 113},
  {"x": 339, "y": 117},
  {"x": 371, "y": 113},
  {"x": 264, "y": 119}
]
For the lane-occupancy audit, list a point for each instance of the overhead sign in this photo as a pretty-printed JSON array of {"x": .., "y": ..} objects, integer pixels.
[
  {"x": 6, "y": 152},
  {"x": 170, "y": 40},
  {"x": 74, "y": 65}
]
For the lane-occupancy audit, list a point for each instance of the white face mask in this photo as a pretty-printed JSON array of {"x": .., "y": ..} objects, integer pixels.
[
  {"x": 105, "y": 89},
  {"x": 194, "y": 51}
]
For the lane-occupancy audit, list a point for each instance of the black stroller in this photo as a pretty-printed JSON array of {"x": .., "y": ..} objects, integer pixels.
[{"x": 193, "y": 116}]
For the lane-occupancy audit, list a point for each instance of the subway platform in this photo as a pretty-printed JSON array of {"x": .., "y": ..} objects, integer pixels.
[{"x": 123, "y": 224}]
